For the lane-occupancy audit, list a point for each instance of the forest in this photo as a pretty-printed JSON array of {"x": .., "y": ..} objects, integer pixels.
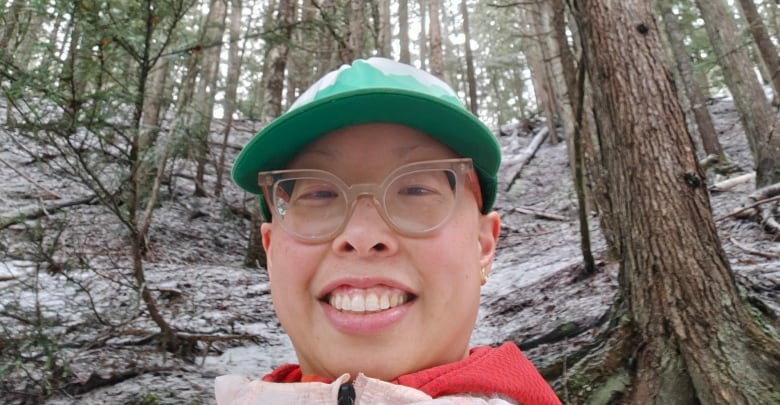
[{"x": 638, "y": 262}]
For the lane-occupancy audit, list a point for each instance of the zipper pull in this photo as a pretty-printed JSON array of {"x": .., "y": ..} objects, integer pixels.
[{"x": 346, "y": 394}]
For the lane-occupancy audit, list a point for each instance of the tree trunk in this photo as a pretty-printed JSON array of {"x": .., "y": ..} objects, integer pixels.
[
  {"x": 204, "y": 95},
  {"x": 695, "y": 342},
  {"x": 709, "y": 137},
  {"x": 355, "y": 35},
  {"x": 12, "y": 17},
  {"x": 571, "y": 98},
  {"x": 472, "y": 81},
  {"x": 385, "y": 30},
  {"x": 8, "y": 32},
  {"x": 255, "y": 255},
  {"x": 434, "y": 35},
  {"x": 533, "y": 44},
  {"x": 766, "y": 49},
  {"x": 423, "y": 39},
  {"x": 758, "y": 119},
  {"x": 231, "y": 86},
  {"x": 403, "y": 33},
  {"x": 277, "y": 57},
  {"x": 150, "y": 119},
  {"x": 272, "y": 108}
]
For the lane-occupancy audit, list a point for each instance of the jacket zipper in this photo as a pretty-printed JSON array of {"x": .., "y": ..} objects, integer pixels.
[{"x": 346, "y": 394}]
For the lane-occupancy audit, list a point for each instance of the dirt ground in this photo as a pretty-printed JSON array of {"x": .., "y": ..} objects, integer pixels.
[{"x": 82, "y": 322}]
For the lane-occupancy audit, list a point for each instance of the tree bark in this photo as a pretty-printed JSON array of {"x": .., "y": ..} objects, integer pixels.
[
  {"x": 766, "y": 48},
  {"x": 403, "y": 33},
  {"x": 434, "y": 35},
  {"x": 533, "y": 45},
  {"x": 235, "y": 56},
  {"x": 694, "y": 340},
  {"x": 277, "y": 57},
  {"x": 204, "y": 95},
  {"x": 423, "y": 39},
  {"x": 696, "y": 97},
  {"x": 761, "y": 126},
  {"x": 472, "y": 81},
  {"x": 385, "y": 31}
]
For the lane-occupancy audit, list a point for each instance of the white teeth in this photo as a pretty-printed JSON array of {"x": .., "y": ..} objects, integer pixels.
[
  {"x": 358, "y": 304},
  {"x": 370, "y": 302}
]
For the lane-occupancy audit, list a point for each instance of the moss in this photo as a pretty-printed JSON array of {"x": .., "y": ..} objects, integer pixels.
[{"x": 611, "y": 389}]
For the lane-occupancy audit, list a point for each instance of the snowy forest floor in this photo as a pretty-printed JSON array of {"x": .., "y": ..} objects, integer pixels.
[{"x": 80, "y": 324}]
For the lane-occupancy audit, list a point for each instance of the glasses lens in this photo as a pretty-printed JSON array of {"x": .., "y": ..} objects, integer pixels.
[
  {"x": 309, "y": 207},
  {"x": 419, "y": 201}
]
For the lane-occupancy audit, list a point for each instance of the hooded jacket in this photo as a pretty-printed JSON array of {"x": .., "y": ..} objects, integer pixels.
[{"x": 488, "y": 376}]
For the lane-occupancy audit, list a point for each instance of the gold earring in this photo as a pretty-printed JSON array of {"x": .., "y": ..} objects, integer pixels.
[{"x": 484, "y": 274}]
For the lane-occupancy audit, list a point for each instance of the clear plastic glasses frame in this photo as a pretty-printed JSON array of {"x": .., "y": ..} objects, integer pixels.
[{"x": 415, "y": 199}]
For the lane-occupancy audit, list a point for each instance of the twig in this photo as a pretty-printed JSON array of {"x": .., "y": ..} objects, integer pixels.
[
  {"x": 26, "y": 213},
  {"x": 753, "y": 251},
  {"x": 540, "y": 214},
  {"x": 749, "y": 207}
]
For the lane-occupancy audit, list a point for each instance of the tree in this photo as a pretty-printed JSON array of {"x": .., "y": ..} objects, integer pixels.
[
  {"x": 679, "y": 332},
  {"x": 758, "y": 119},
  {"x": 422, "y": 39},
  {"x": 231, "y": 85},
  {"x": 203, "y": 102},
  {"x": 436, "y": 52},
  {"x": 384, "y": 37},
  {"x": 766, "y": 48},
  {"x": 471, "y": 80},
  {"x": 534, "y": 18},
  {"x": 690, "y": 86},
  {"x": 403, "y": 31}
]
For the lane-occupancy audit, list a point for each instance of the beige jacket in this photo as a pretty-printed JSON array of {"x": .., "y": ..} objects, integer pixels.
[{"x": 238, "y": 390}]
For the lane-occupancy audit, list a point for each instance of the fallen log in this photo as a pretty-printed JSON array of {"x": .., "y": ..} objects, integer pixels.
[
  {"x": 36, "y": 211},
  {"x": 540, "y": 214},
  {"x": 732, "y": 182},
  {"x": 517, "y": 163}
]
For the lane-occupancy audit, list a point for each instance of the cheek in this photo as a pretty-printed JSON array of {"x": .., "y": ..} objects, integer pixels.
[
  {"x": 290, "y": 263},
  {"x": 455, "y": 255}
]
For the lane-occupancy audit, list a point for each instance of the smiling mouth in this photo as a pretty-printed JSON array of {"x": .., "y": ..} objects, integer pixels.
[{"x": 370, "y": 300}]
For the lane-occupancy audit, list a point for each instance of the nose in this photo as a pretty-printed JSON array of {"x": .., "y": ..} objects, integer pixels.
[{"x": 366, "y": 233}]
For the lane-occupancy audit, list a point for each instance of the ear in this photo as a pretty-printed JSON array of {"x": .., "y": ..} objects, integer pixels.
[
  {"x": 265, "y": 234},
  {"x": 489, "y": 229}
]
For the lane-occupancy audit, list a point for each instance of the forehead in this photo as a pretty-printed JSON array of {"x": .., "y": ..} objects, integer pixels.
[{"x": 373, "y": 142}]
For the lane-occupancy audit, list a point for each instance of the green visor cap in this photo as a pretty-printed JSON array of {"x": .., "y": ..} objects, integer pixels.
[{"x": 375, "y": 90}]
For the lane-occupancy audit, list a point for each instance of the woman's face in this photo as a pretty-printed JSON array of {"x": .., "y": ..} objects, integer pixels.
[{"x": 428, "y": 285}]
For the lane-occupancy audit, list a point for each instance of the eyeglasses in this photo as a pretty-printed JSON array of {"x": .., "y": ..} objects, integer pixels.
[{"x": 415, "y": 199}]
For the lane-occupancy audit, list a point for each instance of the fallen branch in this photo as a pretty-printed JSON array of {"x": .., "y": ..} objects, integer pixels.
[
  {"x": 539, "y": 214},
  {"x": 732, "y": 182},
  {"x": 768, "y": 220},
  {"x": 34, "y": 212},
  {"x": 753, "y": 251},
  {"x": 765, "y": 192},
  {"x": 522, "y": 159},
  {"x": 747, "y": 208}
]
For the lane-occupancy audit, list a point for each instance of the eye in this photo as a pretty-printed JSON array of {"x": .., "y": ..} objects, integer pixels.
[
  {"x": 315, "y": 193},
  {"x": 416, "y": 191},
  {"x": 319, "y": 195}
]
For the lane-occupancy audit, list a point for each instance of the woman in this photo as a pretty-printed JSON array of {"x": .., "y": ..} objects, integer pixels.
[{"x": 379, "y": 185}]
